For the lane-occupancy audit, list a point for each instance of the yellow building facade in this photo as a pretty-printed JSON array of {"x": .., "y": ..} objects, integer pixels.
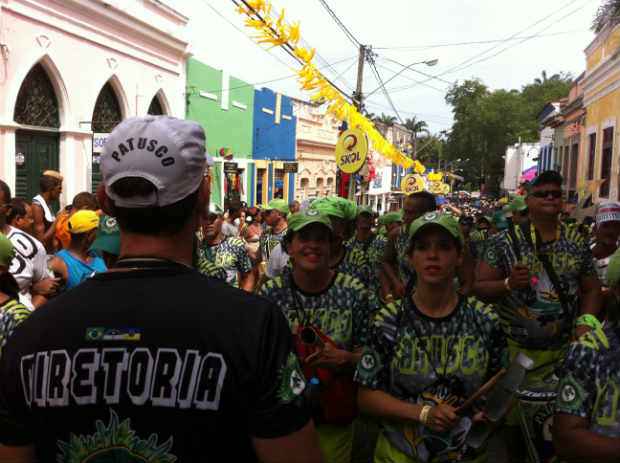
[{"x": 600, "y": 156}]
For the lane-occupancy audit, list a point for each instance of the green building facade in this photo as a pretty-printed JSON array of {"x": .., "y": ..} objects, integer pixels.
[{"x": 224, "y": 106}]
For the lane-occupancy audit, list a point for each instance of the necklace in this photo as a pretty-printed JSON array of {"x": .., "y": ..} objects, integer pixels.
[{"x": 450, "y": 303}]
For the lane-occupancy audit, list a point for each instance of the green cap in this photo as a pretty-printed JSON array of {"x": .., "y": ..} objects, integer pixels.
[
  {"x": 108, "y": 236},
  {"x": 300, "y": 220},
  {"x": 7, "y": 251},
  {"x": 390, "y": 217},
  {"x": 349, "y": 207},
  {"x": 364, "y": 210},
  {"x": 279, "y": 205},
  {"x": 328, "y": 207},
  {"x": 517, "y": 204},
  {"x": 446, "y": 221},
  {"x": 499, "y": 221},
  {"x": 613, "y": 270}
]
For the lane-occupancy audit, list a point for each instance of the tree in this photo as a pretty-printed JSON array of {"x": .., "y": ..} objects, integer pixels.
[
  {"x": 386, "y": 119},
  {"x": 416, "y": 126},
  {"x": 608, "y": 13},
  {"x": 486, "y": 122}
]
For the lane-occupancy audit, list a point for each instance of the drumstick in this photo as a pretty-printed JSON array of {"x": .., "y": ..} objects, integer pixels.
[{"x": 486, "y": 387}]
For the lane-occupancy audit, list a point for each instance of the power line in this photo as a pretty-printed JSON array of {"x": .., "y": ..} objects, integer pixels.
[
  {"x": 471, "y": 60},
  {"x": 463, "y": 64},
  {"x": 416, "y": 70},
  {"x": 478, "y": 42},
  {"x": 287, "y": 47},
  {"x": 326, "y": 65},
  {"x": 412, "y": 80},
  {"x": 526, "y": 39},
  {"x": 344, "y": 28},
  {"x": 289, "y": 76},
  {"x": 385, "y": 92},
  {"x": 444, "y": 123},
  {"x": 215, "y": 10}
]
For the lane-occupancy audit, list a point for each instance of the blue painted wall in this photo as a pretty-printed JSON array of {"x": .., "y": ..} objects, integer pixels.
[{"x": 274, "y": 127}]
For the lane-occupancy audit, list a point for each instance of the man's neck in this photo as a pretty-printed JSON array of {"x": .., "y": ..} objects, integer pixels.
[
  {"x": 216, "y": 239},
  {"x": 46, "y": 197},
  {"x": 363, "y": 236},
  {"x": 280, "y": 226},
  {"x": 79, "y": 252},
  {"x": 547, "y": 226},
  {"x": 177, "y": 247},
  {"x": 312, "y": 282}
]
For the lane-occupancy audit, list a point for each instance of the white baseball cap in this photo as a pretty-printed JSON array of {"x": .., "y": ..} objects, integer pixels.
[
  {"x": 608, "y": 212},
  {"x": 166, "y": 151}
]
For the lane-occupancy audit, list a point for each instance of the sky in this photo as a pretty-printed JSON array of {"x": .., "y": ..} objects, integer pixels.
[{"x": 549, "y": 35}]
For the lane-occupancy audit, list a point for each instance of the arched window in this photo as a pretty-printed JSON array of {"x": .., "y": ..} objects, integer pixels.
[
  {"x": 330, "y": 181},
  {"x": 304, "y": 183},
  {"x": 37, "y": 104},
  {"x": 107, "y": 113},
  {"x": 319, "y": 182},
  {"x": 156, "y": 108}
]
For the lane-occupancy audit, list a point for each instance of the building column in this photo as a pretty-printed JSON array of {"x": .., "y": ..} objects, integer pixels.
[
  {"x": 76, "y": 157},
  {"x": 7, "y": 156}
]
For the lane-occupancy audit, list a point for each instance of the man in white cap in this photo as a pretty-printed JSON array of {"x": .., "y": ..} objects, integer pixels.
[
  {"x": 606, "y": 236},
  {"x": 145, "y": 366}
]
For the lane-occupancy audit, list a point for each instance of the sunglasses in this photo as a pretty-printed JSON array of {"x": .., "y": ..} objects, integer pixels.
[{"x": 555, "y": 194}]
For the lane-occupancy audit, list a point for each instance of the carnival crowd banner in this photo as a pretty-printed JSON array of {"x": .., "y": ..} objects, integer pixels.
[{"x": 278, "y": 32}]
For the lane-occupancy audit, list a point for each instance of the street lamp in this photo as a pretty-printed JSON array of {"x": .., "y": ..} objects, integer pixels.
[{"x": 430, "y": 62}]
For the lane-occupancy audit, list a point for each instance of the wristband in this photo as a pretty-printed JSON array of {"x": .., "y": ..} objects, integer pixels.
[
  {"x": 424, "y": 414},
  {"x": 589, "y": 320},
  {"x": 507, "y": 284}
]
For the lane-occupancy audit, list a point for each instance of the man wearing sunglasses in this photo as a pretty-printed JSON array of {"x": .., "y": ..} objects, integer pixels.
[{"x": 542, "y": 277}]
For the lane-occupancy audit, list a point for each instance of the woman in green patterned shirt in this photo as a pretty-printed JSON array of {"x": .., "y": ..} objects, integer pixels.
[{"x": 428, "y": 353}]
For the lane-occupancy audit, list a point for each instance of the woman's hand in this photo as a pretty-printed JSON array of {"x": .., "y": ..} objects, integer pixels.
[
  {"x": 442, "y": 418},
  {"x": 330, "y": 357}
]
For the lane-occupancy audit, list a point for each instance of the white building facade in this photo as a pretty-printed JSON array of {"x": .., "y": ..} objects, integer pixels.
[{"x": 71, "y": 69}]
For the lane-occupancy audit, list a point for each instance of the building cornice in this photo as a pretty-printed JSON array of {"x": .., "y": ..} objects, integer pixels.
[
  {"x": 601, "y": 73},
  {"x": 103, "y": 11},
  {"x": 592, "y": 98},
  {"x": 600, "y": 38},
  {"x": 316, "y": 144}
]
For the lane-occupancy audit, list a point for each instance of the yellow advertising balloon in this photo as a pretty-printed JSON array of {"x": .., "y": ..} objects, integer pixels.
[
  {"x": 412, "y": 183},
  {"x": 351, "y": 151}
]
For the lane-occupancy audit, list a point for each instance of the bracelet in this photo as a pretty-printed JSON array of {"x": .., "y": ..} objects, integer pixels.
[
  {"x": 424, "y": 414},
  {"x": 507, "y": 284},
  {"x": 589, "y": 320}
]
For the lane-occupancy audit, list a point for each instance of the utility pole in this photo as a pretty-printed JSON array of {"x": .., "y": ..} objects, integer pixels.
[{"x": 358, "y": 98}]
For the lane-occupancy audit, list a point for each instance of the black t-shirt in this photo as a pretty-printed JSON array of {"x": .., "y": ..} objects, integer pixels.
[{"x": 158, "y": 361}]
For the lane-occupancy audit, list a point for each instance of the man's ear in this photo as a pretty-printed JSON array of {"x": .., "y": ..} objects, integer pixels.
[{"x": 106, "y": 204}]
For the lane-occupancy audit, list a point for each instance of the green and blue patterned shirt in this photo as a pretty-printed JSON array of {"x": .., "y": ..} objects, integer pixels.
[
  {"x": 341, "y": 311},
  {"x": 590, "y": 380},
  {"x": 425, "y": 360},
  {"x": 534, "y": 318},
  {"x": 12, "y": 313},
  {"x": 231, "y": 255}
]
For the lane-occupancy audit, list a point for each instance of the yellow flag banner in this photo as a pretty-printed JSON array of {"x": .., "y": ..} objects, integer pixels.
[{"x": 277, "y": 32}]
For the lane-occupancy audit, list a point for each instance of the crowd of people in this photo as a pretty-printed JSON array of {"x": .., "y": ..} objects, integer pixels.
[{"x": 141, "y": 324}]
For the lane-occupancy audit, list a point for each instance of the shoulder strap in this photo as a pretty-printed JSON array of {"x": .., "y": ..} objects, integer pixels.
[
  {"x": 548, "y": 266},
  {"x": 515, "y": 242}
]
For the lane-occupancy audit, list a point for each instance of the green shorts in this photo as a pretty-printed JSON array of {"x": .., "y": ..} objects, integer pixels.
[
  {"x": 385, "y": 452},
  {"x": 336, "y": 442}
]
